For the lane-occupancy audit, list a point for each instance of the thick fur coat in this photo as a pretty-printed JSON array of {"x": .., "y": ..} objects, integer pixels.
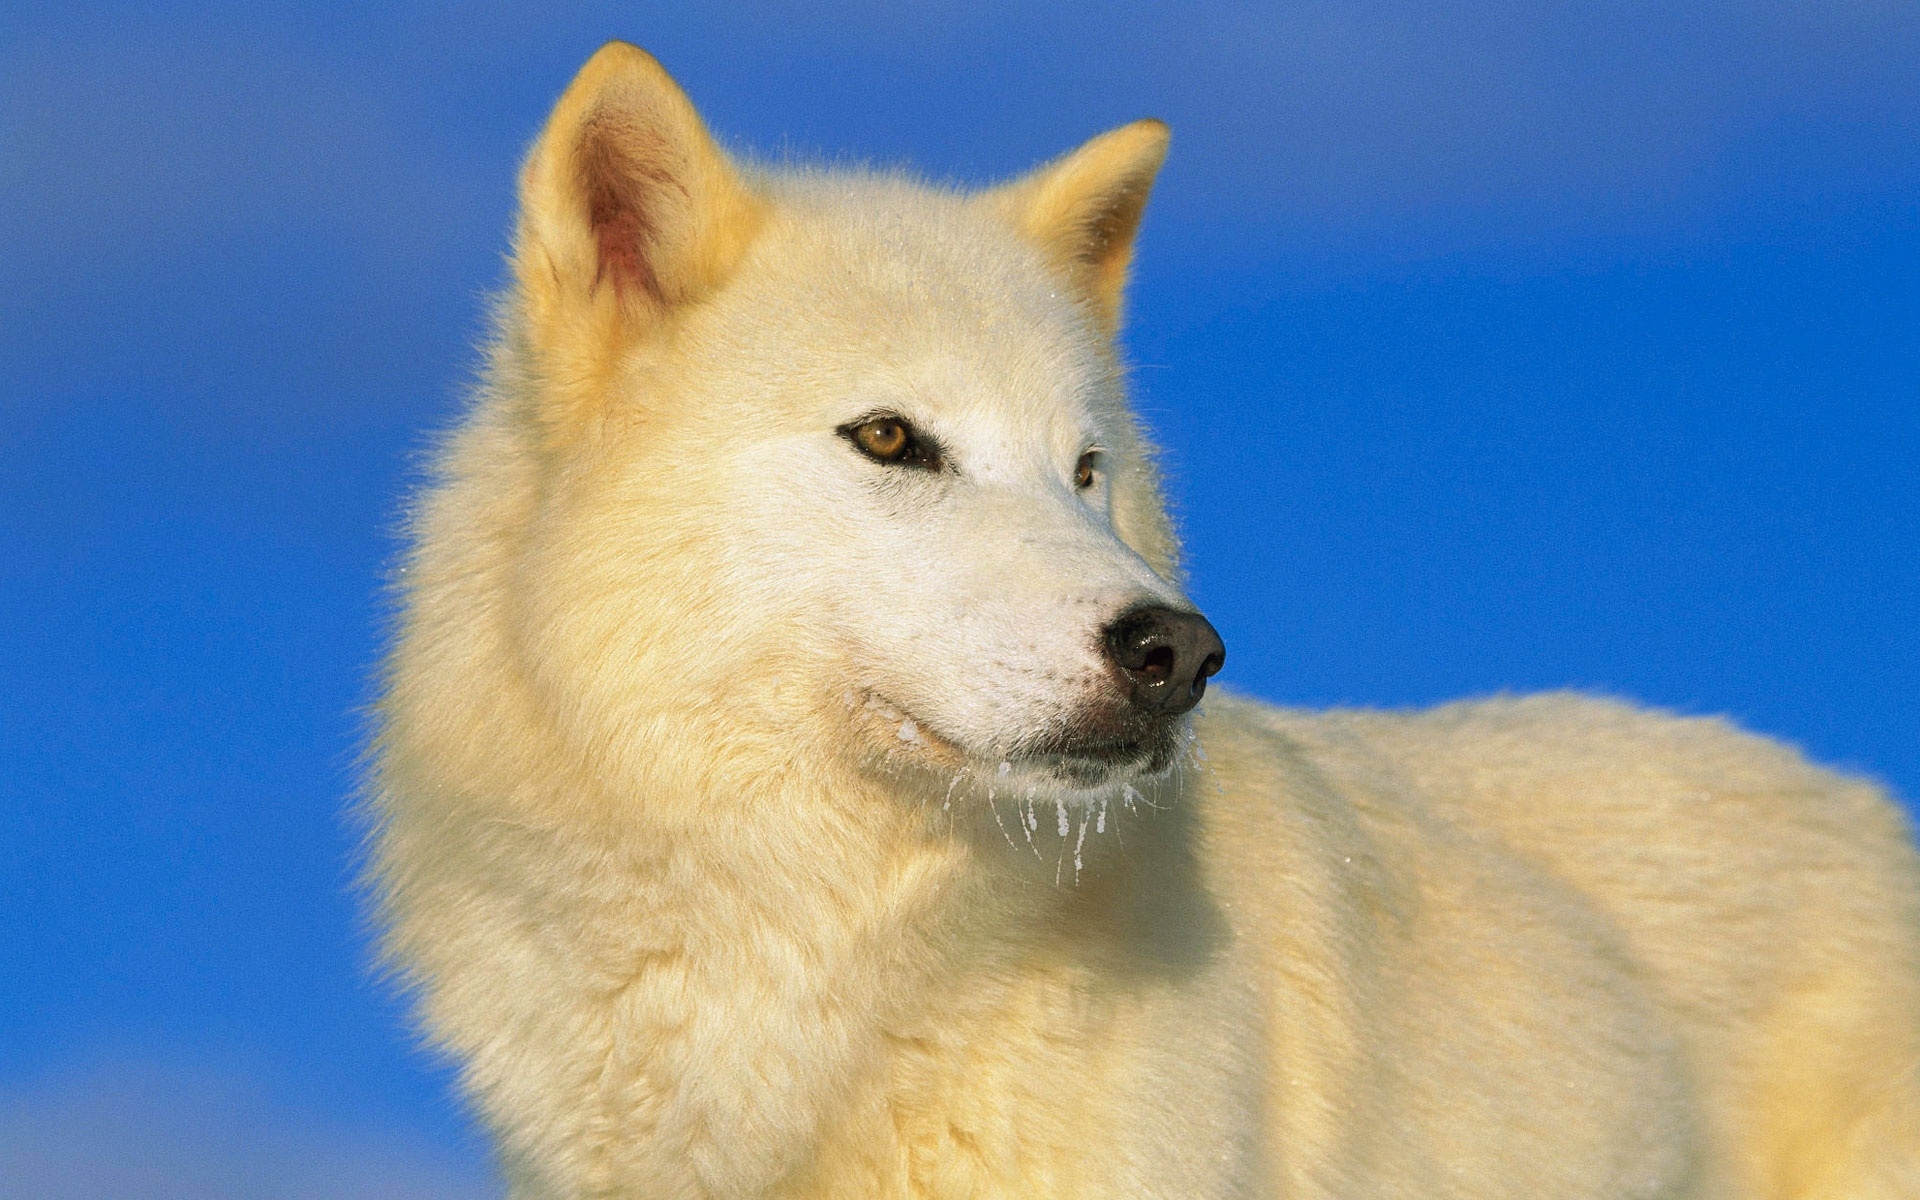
[{"x": 762, "y": 808}]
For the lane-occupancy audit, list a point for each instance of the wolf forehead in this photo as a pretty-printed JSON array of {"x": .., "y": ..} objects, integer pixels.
[
  {"x": 892, "y": 248},
  {"x": 891, "y": 288}
]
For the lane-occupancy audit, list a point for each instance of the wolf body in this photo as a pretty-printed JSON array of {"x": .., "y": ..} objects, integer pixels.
[{"x": 772, "y": 795}]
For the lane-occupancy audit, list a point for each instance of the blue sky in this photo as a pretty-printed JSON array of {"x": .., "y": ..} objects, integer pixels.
[{"x": 1494, "y": 346}]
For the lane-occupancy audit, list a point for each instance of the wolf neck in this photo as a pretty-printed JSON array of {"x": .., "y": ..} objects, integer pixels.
[
  {"x": 738, "y": 975},
  {"x": 824, "y": 865}
]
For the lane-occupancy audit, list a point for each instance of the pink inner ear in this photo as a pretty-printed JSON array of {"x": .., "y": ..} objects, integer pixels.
[{"x": 623, "y": 169}]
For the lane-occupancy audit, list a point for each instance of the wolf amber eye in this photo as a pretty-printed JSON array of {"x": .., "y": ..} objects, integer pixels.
[
  {"x": 890, "y": 439},
  {"x": 1083, "y": 471},
  {"x": 885, "y": 438}
]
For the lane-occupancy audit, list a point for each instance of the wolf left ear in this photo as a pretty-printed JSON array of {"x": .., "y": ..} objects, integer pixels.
[
  {"x": 628, "y": 210},
  {"x": 1083, "y": 209}
]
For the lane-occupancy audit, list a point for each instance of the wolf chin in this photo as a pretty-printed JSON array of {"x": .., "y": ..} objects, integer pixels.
[{"x": 789, "y": 781}]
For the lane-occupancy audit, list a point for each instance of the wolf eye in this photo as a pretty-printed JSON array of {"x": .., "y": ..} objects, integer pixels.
[
  {"x": 886, "y": 439},
  {"x": 1083, "y": 470},
  {"x": 890, "y": 439}
]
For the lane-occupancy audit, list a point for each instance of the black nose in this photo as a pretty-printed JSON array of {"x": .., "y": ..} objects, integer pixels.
[{"x": 1165, "y": 657}]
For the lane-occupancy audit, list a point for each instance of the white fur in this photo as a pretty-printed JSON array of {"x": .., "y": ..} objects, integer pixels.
[{"x": 694, "y": 836}]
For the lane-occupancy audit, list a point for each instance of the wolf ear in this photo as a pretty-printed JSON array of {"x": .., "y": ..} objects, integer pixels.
[
  {"x": 1083, "y": 209},
  {"x": 627, "y": 208}
]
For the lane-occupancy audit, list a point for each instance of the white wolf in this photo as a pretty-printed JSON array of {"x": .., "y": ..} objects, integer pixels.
[{"x": 787, "y": 785}]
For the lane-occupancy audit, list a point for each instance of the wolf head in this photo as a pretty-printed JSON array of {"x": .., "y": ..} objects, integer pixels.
[{"x": 837, "y": 455}]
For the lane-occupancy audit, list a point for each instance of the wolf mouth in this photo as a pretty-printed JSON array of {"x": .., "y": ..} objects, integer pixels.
[
  {"x": 1091, "y": 762},
  {"x": 1075, "y": 759}
]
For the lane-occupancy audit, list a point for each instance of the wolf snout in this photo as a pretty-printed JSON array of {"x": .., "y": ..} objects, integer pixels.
[{"x": 1165, "y": 657}]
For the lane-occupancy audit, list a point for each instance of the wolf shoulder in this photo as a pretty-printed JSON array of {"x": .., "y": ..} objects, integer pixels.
[
  {"x": 1711, "y": 855},
  {"x": 1693, "y": 949},
  {"x": 1565, "y": 775},
  {"x": 1723, "y": 868}
]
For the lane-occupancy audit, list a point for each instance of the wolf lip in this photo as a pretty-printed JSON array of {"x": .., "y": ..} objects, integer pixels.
[
  {"x": 1085, "y": 761},
  {"x": 1110, "y": 753},
  {"x": 1088, "y": 762},
  {"x": 1132, "y": 741}
]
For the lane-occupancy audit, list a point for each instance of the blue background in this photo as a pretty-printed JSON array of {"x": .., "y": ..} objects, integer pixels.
[{"x": 1494, "y": 346}]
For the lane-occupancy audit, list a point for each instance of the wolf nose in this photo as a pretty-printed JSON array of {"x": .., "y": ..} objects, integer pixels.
[{"x": 1165, "y": 657}]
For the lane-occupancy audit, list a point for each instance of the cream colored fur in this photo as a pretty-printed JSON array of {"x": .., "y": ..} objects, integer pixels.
[{"x": 693, "y": 833}]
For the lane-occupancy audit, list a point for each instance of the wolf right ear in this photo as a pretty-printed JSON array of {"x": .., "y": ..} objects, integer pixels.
[
  {"x": 627, "y": 210},
  {"x": 1084, "y": 208}
]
